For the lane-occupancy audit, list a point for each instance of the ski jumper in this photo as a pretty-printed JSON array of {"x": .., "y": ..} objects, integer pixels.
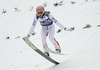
[{"x": 48, "y": 29}]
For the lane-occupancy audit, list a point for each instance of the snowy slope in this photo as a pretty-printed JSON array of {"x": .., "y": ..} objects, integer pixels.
[{"x": 81, "y": 45}]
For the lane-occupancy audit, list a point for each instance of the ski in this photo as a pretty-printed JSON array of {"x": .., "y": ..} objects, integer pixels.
[
  {"x": 39, "y": 51},
  {"x": 54, "y": 51}
]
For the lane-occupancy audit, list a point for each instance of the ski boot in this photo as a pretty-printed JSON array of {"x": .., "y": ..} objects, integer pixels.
[
  {"x": 46, "y": 53},
  {"x": 58, "y": 50}
]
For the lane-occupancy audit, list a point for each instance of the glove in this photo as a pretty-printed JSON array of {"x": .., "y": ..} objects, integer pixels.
[
  {"x": 33, "y": 33},
  {"x": 28, "y": 36}
]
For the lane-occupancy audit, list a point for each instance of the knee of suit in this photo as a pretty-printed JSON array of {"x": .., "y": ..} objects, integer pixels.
[
  {"x": 52, "y": 40},
  {"x": 44, "y": 43}
]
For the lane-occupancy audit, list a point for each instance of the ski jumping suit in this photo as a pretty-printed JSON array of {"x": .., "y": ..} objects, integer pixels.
[{"x": 47, "y": 29}]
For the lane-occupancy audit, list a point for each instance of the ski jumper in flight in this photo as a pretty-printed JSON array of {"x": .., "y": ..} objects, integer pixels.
[{"x": 48, "y": 29}]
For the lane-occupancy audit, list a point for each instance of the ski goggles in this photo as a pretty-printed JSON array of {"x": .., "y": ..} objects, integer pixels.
[{"x": 40, "y": 12}]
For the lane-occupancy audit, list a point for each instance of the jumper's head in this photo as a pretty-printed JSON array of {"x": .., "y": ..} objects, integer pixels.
[{"x": 40, "y": 10}]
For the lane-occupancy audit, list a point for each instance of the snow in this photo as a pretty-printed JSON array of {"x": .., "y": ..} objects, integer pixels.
[{"x": 82, "y": 46}]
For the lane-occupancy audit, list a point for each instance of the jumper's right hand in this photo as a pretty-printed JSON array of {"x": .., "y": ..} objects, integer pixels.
[{"x": 28, "y": 36}]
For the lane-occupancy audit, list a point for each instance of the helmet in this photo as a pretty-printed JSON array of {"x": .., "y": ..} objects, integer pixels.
[{"x": 39, "y": 9}]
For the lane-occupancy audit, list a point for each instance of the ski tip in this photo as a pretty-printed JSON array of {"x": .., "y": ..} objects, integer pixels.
[{"x": 24, "y": 37}]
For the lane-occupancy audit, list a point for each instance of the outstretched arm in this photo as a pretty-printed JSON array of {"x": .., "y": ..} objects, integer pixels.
[
  {"x": 56, "y": 22},
  {"x": 32, "y": 27},
  {"x": 59, "y": 24}
]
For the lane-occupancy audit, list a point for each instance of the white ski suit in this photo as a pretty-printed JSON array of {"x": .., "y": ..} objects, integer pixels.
[{"x": 47, "y": 29}]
